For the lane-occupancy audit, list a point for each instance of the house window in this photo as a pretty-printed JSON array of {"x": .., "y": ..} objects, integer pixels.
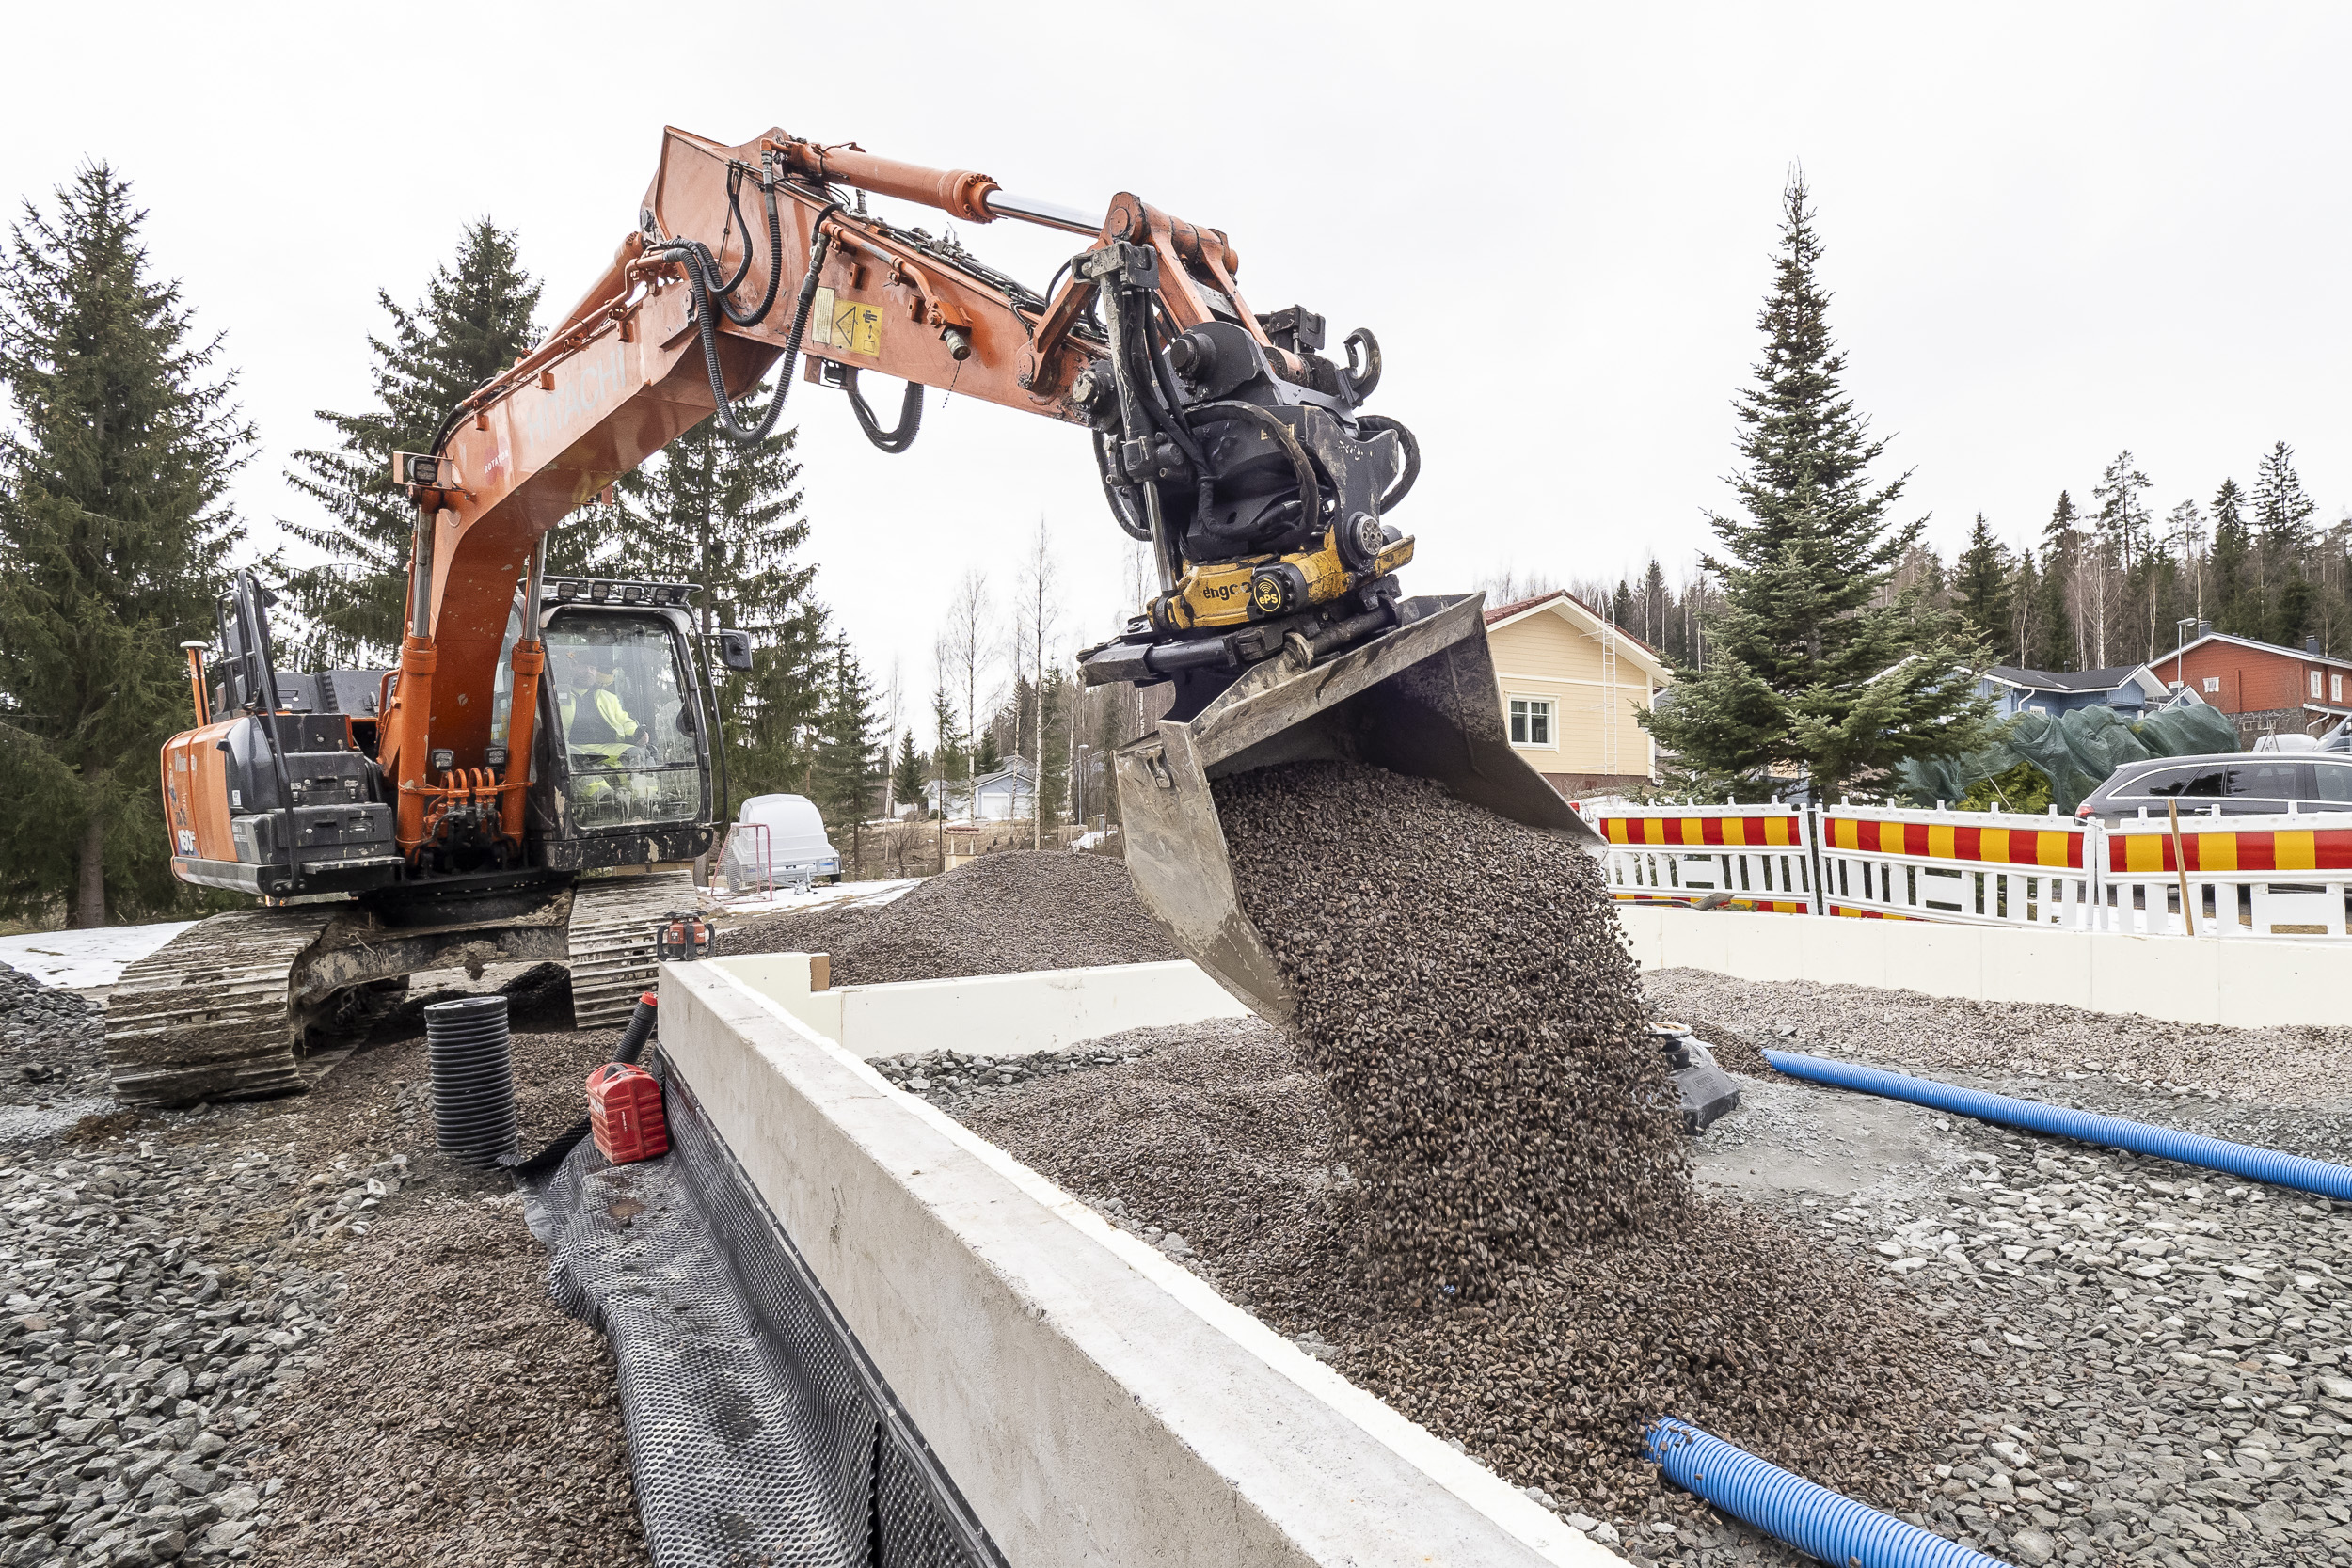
[
  {"x": 1531, "y": 721},
  {"x": 2314, "y": 686},
  {"x": 2213, "y": 683},
  {"x": 2335, "y": 687}
]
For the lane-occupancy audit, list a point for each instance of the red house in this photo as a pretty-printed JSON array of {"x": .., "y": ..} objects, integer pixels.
[{"x": 2266, "y": 689}]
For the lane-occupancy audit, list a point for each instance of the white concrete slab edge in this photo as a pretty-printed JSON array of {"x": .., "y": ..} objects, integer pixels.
[
  {"x": 1094, "y": 1401},
  {"x": 2246, "y": 982},
  {"x": 988, "y": 1015}
]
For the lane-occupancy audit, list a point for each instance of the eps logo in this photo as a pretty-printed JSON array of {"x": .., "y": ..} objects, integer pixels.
[{"x": 1267, "y": 593}]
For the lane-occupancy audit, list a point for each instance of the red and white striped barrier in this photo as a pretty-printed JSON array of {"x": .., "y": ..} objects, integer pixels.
[
  {"x": 1977, "y": 868},
  {"x": 2248, "y": 876},
  {"x": 1725, "y": 857},
  {"x": 2285, "y": 876}
]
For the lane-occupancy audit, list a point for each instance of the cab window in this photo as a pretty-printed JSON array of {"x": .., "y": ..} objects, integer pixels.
[
  {"x": 625, "y": 713},
  {"x": 2335, "y": 782}
]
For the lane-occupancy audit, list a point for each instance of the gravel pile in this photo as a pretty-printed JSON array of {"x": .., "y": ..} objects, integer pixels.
[
  {"x": 1218, "y": 1145},
  {"x": 53, "y": 1041},
  {"x": 947, "y": 1078},
  {"x": 1004, "y": 913},
  {"x": 140, "y": 1342},
  {"x": 1491, "y": 1113},
  {"x": 2281, "y": 1067}
]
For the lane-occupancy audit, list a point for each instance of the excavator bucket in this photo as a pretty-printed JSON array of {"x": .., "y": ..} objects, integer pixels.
[{"x": 1419, "y": 698}]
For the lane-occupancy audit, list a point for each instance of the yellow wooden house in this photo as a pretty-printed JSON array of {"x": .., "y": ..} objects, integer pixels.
[{"x": 1573, "y": 690}]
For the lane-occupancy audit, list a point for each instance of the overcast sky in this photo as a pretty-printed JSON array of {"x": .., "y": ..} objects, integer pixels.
[{"x": 2051, "y": 233}]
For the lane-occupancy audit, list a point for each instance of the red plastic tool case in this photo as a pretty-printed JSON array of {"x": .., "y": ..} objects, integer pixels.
[{"x": 625, "y": 1113}]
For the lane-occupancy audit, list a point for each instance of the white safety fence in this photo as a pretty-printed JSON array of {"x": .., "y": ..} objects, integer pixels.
[
  {"x": 1980, "y": 868},
  {"x": 2272, "y": 876},
  {"x": 1742, "y": 857}
]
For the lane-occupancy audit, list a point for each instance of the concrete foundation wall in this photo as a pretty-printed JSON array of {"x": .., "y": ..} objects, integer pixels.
[
  {"x": 2245, "y": 982},
  {"x": 990, "y": 1015},
  {"x": 1095, "y": 1402}
]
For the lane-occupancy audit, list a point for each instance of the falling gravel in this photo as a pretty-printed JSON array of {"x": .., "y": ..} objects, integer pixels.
[
  {"x": 1004, "y": 913},
  {"x": 1464, "y": 991}
]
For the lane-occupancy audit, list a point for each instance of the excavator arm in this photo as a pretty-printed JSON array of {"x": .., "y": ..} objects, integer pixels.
[{"x": 1223, "y": 438}]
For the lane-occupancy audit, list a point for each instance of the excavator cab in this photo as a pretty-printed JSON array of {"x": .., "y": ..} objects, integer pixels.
[{"x": 1419, "y": 698}]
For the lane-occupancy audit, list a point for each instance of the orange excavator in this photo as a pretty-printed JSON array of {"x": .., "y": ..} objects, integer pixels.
[{"x": 535, "y": 776}]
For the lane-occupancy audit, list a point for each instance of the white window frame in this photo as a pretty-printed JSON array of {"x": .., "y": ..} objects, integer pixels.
[
  {"x": 2335, "y": 685},
  {"x": 2213, "y": 686},
  {"x": 1549, "y": 715},
  {"x": 2314, "y": 686}
]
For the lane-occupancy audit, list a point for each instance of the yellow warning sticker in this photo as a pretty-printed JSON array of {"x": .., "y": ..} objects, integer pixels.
[
  {"x": 821, "y": 318},
  {"x": 857, "y": 327}
]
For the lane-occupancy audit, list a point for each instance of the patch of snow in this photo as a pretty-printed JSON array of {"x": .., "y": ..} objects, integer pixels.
[{"x": 85, "y": 960}]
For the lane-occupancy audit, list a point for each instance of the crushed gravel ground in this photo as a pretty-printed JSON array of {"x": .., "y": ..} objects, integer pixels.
[
  {"x": 2279, "y": 1068},
  {"x": 292, "y": 1332},
  {"x": 1005, "y": 913},
  {"x": 2166, "y": 1349}
]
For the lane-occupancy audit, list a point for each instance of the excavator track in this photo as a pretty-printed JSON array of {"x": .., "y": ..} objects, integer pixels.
[
  {"x": 210, "y": 1015},
  {"x": 611, "y": 940}
]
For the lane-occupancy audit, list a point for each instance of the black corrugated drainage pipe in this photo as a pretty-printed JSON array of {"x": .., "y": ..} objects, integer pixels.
[{"x": 473, "y": 1078}]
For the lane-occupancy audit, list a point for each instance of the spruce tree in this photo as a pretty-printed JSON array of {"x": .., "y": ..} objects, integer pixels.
[
  {"x": 847, "y": 766},
  {"x": 1053, "y": 761},
  {"x": 906, "y": 775},
  {"x": 2237, "y": 609},
  {"x": 728, "y": 519},
  {"x": 948, "y": 758},
  {"x": 1981, "y": 583},
  {"x": 114, "y": 536},
  {"x": 2283, "y": 513},
  {"x": 474, "y": 319},
  {"x": 1804, "y": 668}
]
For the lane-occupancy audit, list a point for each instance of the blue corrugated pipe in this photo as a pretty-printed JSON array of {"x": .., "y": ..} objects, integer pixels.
[
  {"x": 1813, "y": 1519},
  {"x": 2140, "y": 1137}
]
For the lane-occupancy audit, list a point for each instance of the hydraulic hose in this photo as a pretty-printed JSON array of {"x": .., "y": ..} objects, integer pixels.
[
  {"x": 1302, "y": 466},
  {"x": 693, "y": 255},
  {"x": 1811, "y": 1518},
  {"x": 776, "y": 261},
  {"x": 910, "y": 415},
  {"x": 1404, "y": 486},
  {"x": 2139, "y": 1137}
]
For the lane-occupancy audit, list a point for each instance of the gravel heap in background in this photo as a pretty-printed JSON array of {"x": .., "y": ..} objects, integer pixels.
[
  {"x": 51, "y": 1040},
  {"x": 1490, "y": 1113},
  {"x": 1004, "y": 913},
  {"x": 2277, "y": 1066}
]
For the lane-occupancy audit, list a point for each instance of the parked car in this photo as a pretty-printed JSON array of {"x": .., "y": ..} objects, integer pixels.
[
  {"x": 2242, "y": 784},
  {"x": 779, "y": 838}
]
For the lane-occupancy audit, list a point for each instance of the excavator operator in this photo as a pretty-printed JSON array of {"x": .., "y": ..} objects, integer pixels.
[{"x": 595, "y": 719}]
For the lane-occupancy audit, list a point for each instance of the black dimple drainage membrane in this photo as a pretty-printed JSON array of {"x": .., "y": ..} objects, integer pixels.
[{"x": 759, "y": 1432}]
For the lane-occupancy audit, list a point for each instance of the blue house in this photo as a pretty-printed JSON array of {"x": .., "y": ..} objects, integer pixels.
[{"x": 2131, "y": 689}]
